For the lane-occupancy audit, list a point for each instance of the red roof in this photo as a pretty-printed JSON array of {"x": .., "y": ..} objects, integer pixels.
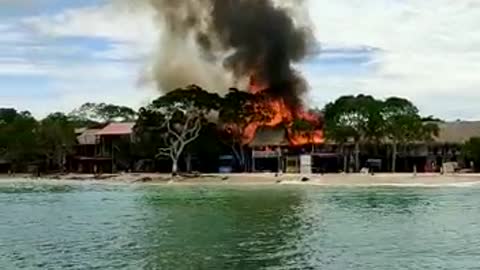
[{"x": 117, "y": 129}]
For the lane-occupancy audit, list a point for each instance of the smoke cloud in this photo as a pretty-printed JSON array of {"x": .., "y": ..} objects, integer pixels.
[{"x": 222, "y": 43}]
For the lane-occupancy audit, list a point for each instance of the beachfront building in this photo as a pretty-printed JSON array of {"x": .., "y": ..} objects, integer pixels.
[
  {"x": 85, "y": 159},
  {"x": 103, "y": 148},
  {"x": 445, "y": 148},
  {"x": 268, "y": 150},
  {"x": 272, "y": 152}
]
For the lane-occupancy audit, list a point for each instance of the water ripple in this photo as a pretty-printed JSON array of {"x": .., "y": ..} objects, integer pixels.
[{"x": 120, "y": 227}]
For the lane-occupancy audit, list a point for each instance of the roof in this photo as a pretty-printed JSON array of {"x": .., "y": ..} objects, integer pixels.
[
  {"x": 458, "y": 132},
  {"x": 88, "y": 137},
  {"x": 80, "y": 130},
  {"x": 117, "y": 129},
  {"x": 270, "y": 136}
]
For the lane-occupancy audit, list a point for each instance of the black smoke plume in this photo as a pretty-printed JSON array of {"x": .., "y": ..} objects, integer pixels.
[{"x": 244, "y": 37}]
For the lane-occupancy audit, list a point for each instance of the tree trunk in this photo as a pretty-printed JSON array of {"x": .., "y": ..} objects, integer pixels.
[
  {"x": 394, "y": 157},
  {"x": 243, "y": 164},
  {"x": 239, "y": 156},
  {"x": 357, "y": 156},
  {"x": 174, "y": 166},
  {"x": 188, "y": 162},
  {"x": 345, "y": 159}
]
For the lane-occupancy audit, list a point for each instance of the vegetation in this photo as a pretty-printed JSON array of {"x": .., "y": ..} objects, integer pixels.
[
  {"x": 354, "y": 118},
  {"x": 238, "y": 111},
  {"x": 191, "y": 121},
  {"x": 471, "y": 152},
  {"x": 179, "y": 116},
  {"x": 364, "y": 119},
  {"x": 18, "y": 141},
  {"x": 46, "y": 143},
  {"x": 90, "y": 113},
  {"x": 56, "y": 139}
]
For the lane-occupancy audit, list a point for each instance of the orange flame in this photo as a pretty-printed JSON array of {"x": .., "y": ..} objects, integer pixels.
[{"x": 281, "y": 113}]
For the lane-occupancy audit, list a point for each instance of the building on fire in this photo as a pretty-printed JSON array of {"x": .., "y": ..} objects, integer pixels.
[
  {"x": 271, "y": 151},
  {"x": 106, "y": 148}
]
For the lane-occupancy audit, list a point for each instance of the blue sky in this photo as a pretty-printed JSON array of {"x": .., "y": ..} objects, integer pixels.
[{"x": 58, "y": 54}]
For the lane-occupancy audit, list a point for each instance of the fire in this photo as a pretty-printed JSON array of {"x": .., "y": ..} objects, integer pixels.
[
  {"x": 256, "y": 85},
  {"x": 282, "y": 113}
]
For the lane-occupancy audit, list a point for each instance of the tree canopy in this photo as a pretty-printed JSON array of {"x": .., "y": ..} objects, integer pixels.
[
  {"x": 56, "y": 137},
  {"x": 18, "y": 140},
  {"x": 471, "y": 151},
  {"x": 47, "y": 142},
  {"x": 193, "y": 120},
  {"x": 178, "y": 117},
  {"x": 364, "y": 119},
  {"x": 102, "y": 112}
]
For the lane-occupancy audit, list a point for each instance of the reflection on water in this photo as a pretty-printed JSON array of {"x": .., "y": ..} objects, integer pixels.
[
  {"x": 217, "y": 228},
  {"x": 128, "y": 227}
]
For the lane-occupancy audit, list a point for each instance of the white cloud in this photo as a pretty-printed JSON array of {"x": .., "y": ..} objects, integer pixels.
[
  {"x": 428, "y": 51},
  {"x": 428, "y": 48},
  {"x": 70, "y": 86},
  {"x": 73, "y": 74},
  {"x": 117, "y": 21},
  {"x": 12, "y": 66}
]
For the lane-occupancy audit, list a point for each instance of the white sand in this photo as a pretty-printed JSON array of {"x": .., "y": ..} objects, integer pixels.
[{"x": 427, "y": 180}]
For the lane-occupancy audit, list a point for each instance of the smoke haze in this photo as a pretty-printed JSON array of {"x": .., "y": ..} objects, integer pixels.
[{"x": 222, "y": 43}]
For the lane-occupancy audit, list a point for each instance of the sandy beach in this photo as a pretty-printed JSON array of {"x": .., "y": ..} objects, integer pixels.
[{"x": 385, "y": 179}]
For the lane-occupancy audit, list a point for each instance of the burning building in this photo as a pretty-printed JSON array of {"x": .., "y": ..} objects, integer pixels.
[
  {"x": 284, "y": 116},
  {"x": 247, "y": 44}
]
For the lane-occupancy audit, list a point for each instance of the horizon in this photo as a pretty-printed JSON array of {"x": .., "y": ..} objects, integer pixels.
[{"x": 56, "y": 56}]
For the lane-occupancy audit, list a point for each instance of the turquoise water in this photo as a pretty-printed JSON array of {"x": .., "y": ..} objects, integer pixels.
[{"x": 133, "y": 227}]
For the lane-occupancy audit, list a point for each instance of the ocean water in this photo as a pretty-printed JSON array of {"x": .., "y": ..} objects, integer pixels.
[{"x": 87, "y": 226}]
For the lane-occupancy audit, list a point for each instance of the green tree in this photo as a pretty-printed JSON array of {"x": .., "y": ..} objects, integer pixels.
[
  {"x": 56, "y": 139},
  {"x": 178, "y": 117},
  {"x": 402, "y": 124},
  {"x": 429, "y": 131},
  {"x": 354, "y": 118},
  {"x": 102, "y": 112},
  {"x": 471, "y": 151},
  {"x": 7, "y": 115},
  {"x": 18, "y": 137}
]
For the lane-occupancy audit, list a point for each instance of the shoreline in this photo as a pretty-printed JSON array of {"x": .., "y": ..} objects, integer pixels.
[{"x": 257, "y": 179}]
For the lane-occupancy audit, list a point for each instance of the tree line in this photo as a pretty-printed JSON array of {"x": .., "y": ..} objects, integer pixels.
[
  {"x": 362, "y": 119},
  {"x": 192, "y": 120},
  {"x": 25, "y": 140}
]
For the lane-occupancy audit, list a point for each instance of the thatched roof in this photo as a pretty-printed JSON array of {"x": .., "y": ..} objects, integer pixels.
[
  {"x": 270, "y": 136},
  {"x": 449, "y": 132},
  {"x": 458, "y": 132}
]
